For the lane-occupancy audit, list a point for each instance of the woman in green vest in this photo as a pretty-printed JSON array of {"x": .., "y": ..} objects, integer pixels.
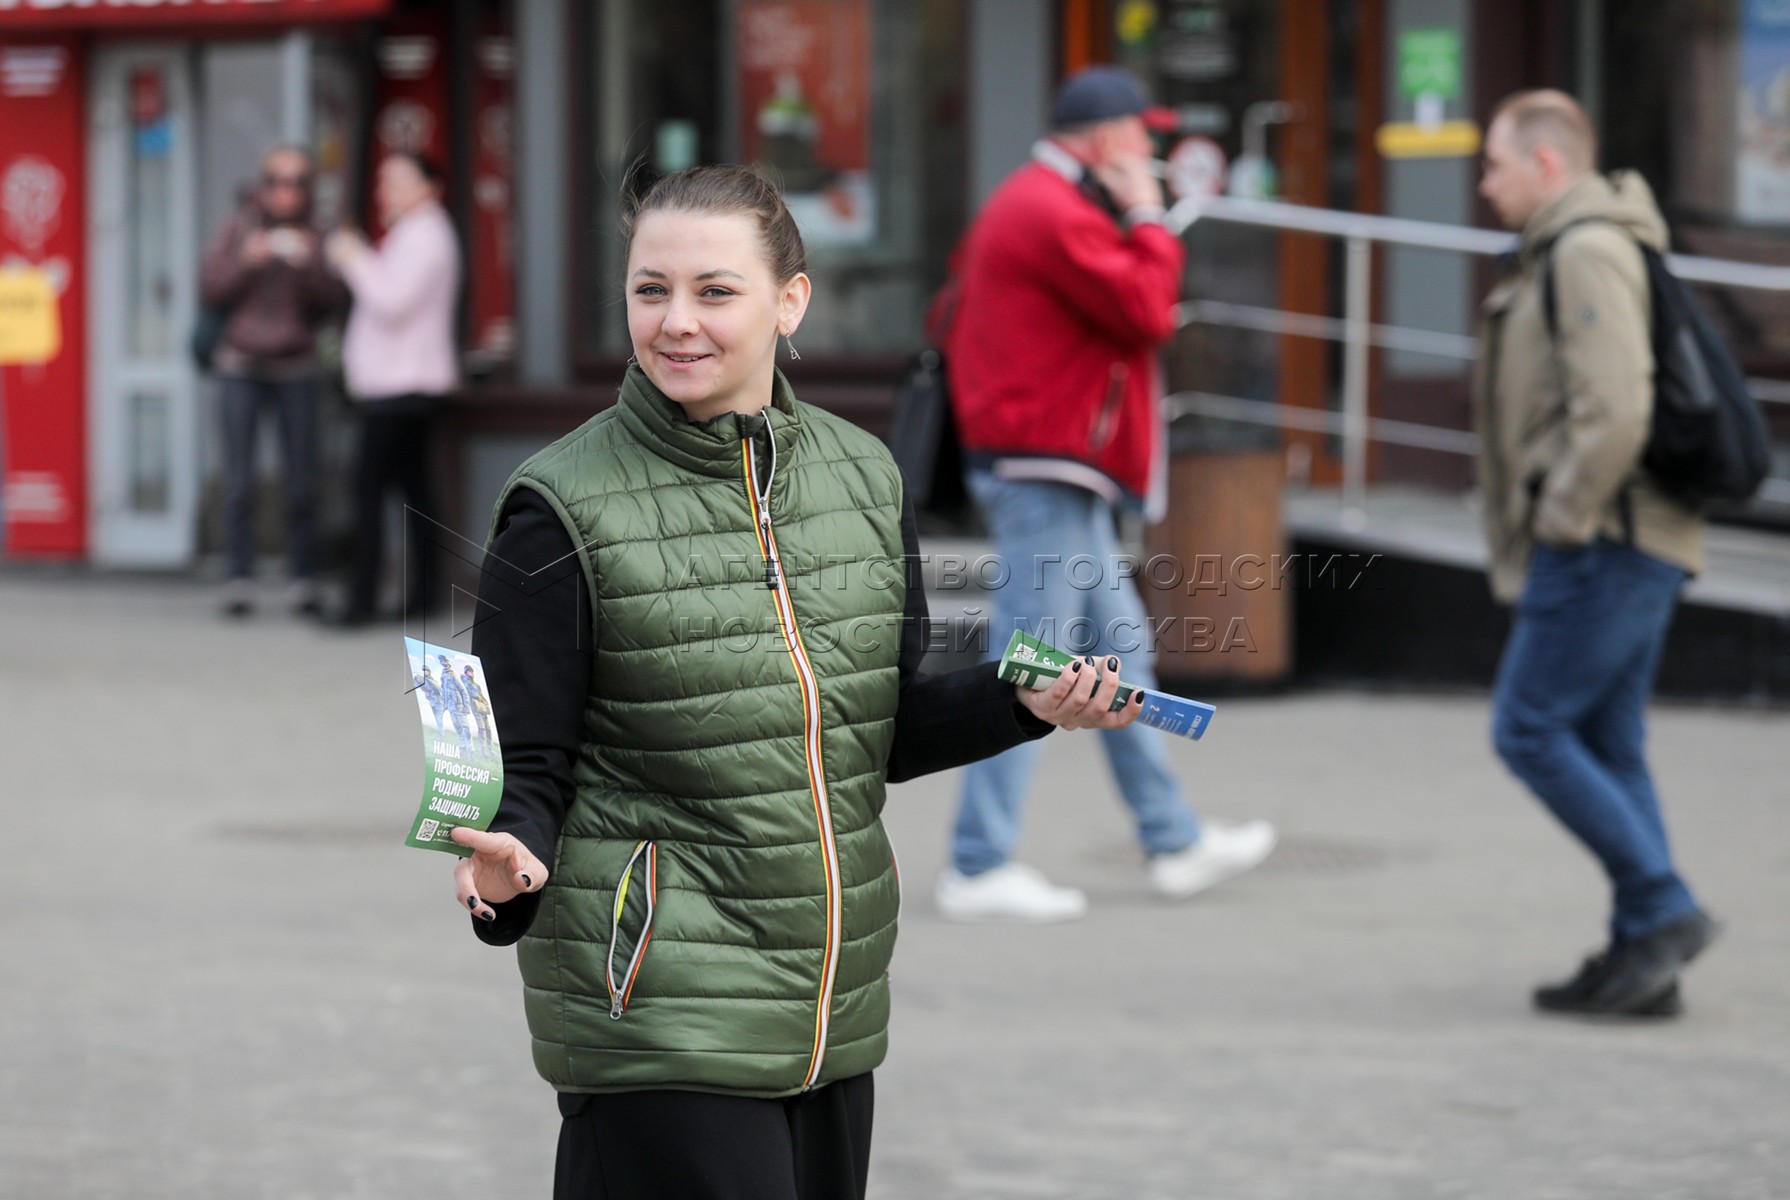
[{"x": 702, "y": 633}]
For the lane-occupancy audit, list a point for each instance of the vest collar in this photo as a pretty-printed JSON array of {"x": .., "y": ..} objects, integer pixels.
[{"x": 713, "y": 447}]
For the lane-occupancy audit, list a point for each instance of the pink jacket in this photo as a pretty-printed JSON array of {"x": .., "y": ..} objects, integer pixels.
[{"x": 400, "y": 335}]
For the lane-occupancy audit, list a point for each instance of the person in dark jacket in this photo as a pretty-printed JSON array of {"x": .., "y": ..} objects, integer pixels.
[
  {"x": 702, "y": 624},
  {"x": 266, "y": 270}
]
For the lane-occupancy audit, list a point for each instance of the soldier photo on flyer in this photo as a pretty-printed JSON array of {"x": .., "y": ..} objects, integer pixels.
[{"x": 462, "y": 758}]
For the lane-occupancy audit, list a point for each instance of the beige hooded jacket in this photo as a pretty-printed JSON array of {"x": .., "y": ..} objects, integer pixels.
[{"x": 1562, "y": 421}]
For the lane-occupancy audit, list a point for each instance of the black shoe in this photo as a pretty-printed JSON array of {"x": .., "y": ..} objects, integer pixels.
[
  {"x": 1581, "y": 995},
  {"x": 1641, "y": 969},
  {"x": 1664, "y": 1006},
  {"x": 1627, "y": 979},
  {"x": 1684, "y": 938},
  {"x": 306, "y": 602},
  {"x": 1569, "y": 994},
  {"x": 239, "y": 599}
]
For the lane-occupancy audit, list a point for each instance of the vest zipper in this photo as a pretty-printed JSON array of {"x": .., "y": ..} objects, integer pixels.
[
  {"x": 817, "y": 783},
  {"x": 620, "y": 992}
]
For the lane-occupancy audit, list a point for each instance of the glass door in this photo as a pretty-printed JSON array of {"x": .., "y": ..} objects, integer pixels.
[{"x": 144, "y": 401}]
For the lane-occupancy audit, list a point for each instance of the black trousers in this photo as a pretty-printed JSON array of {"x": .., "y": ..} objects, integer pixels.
[
  {"x": 294, "y": 401},
  {"x": 397, "y": 449},
  {"x": 697, "y": 1146}
]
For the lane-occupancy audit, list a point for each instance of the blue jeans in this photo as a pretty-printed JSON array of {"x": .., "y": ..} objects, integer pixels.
[
  {"x": 1569, "y": 715},
  {"x": 1058, "y": 546}
]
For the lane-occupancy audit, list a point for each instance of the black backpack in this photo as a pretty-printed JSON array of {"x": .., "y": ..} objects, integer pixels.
[{"x": 1708, "y": 438}]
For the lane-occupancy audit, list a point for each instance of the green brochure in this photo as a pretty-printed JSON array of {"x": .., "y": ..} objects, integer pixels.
[
  {"x": 462, "y": 758},
  {"x": 1034, "y": 664}
]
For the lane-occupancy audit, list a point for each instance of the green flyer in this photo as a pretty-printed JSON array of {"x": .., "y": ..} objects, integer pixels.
[
  {"x": 462, "y": 758},
  {"x": 1035, "y": 664}
]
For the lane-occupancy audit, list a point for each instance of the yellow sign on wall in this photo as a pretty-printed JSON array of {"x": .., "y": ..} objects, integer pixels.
[
  {"x": 1445, "y": 139},
  {"x": 30, "y": 322}
]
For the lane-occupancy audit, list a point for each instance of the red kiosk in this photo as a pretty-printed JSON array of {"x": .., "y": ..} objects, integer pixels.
[{"x": 126, "y": 130}]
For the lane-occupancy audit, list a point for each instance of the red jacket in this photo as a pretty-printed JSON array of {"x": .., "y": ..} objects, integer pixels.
[{"x": 1052, "y": 347}]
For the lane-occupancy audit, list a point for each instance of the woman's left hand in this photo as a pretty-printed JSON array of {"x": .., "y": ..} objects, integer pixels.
[
  {"x": 1082, "y": 697},
  {"x": 499, "y": 869}
]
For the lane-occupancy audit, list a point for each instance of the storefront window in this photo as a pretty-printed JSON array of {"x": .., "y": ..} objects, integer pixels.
[
  {"x": 442, "y": 87},
  {"x": 1216, "y": 64},
  {"x": 1709, "y": 127},
  {"x": 853, "y": 106}
]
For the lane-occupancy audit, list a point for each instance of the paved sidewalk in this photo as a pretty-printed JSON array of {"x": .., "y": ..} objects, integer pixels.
[{"x": 222, "y": 976}]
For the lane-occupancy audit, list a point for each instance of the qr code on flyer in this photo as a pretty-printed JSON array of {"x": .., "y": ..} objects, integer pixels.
[{"x": 426, "y": 831}]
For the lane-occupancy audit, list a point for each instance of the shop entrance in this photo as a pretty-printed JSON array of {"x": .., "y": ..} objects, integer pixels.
[{"x": 143, "y": 246}]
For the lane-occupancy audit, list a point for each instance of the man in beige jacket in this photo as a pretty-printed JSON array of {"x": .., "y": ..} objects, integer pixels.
[{"x": 1591, "y": 552}]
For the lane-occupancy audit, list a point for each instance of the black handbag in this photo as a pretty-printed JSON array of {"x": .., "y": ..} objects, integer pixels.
[
  {"x": 923, "y": 438},
  {"x": 922, "y": 428}
]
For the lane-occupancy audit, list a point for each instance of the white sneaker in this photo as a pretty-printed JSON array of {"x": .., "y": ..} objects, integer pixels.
[
  {"x": 1011, "y": 892},
  {"x": 1224, "y": 850}
]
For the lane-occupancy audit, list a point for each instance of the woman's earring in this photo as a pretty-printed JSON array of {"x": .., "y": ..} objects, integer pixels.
[
  {"x": 790, "y": 342},
  {"x": 632, "y": 361}
]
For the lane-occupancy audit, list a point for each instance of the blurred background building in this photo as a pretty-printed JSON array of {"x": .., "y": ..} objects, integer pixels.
[{"x": 128, "y": 129}]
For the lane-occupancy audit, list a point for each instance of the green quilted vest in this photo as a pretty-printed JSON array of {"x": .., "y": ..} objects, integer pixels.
[{"x": 722, "y": 908}]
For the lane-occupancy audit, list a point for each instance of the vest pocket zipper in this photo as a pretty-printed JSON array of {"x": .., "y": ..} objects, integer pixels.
[{"x": 646, "y": 857}]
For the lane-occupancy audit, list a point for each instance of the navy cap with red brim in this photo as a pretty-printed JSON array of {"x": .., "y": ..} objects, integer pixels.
[{"x": 1105, "y": 94}]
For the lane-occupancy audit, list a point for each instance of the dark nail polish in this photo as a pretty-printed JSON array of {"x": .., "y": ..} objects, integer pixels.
[
  {"x": 1076, "y": 666},
  {"x": 1112, "y": 664},
  {"x": 1137, "y": 698},
  {"x": 487, "y": 916},
  {"x": 526, "y": 881},
  {"x": 472, "y": 902}
]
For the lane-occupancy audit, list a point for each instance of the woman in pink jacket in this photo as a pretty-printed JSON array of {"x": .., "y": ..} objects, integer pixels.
[{"x": 399, "y": 358}]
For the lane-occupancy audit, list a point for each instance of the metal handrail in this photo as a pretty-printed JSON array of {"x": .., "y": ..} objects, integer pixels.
[
  {"x": 1273, "y": 320},
  {"x": 1322, "y": 420},
  {"x": 1359, "y": 334},
  {"x": 1303, "y": 218},
  {"x": 1462, "y": 346},
  {"x": 1434, "y": 235},
  {"x": 1379, "y": 429}
]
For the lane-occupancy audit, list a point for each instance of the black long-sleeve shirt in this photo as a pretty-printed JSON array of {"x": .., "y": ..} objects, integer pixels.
[{"x": 533, "y": 633}]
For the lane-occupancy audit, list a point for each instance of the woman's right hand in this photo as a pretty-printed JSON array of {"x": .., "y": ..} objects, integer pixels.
[
  {"x": 500, "y": 868},
  {"x": 1082, "y": 697}
]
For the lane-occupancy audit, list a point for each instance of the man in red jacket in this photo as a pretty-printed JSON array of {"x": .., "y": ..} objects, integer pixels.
[{"x": 1068, "y": 283}]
